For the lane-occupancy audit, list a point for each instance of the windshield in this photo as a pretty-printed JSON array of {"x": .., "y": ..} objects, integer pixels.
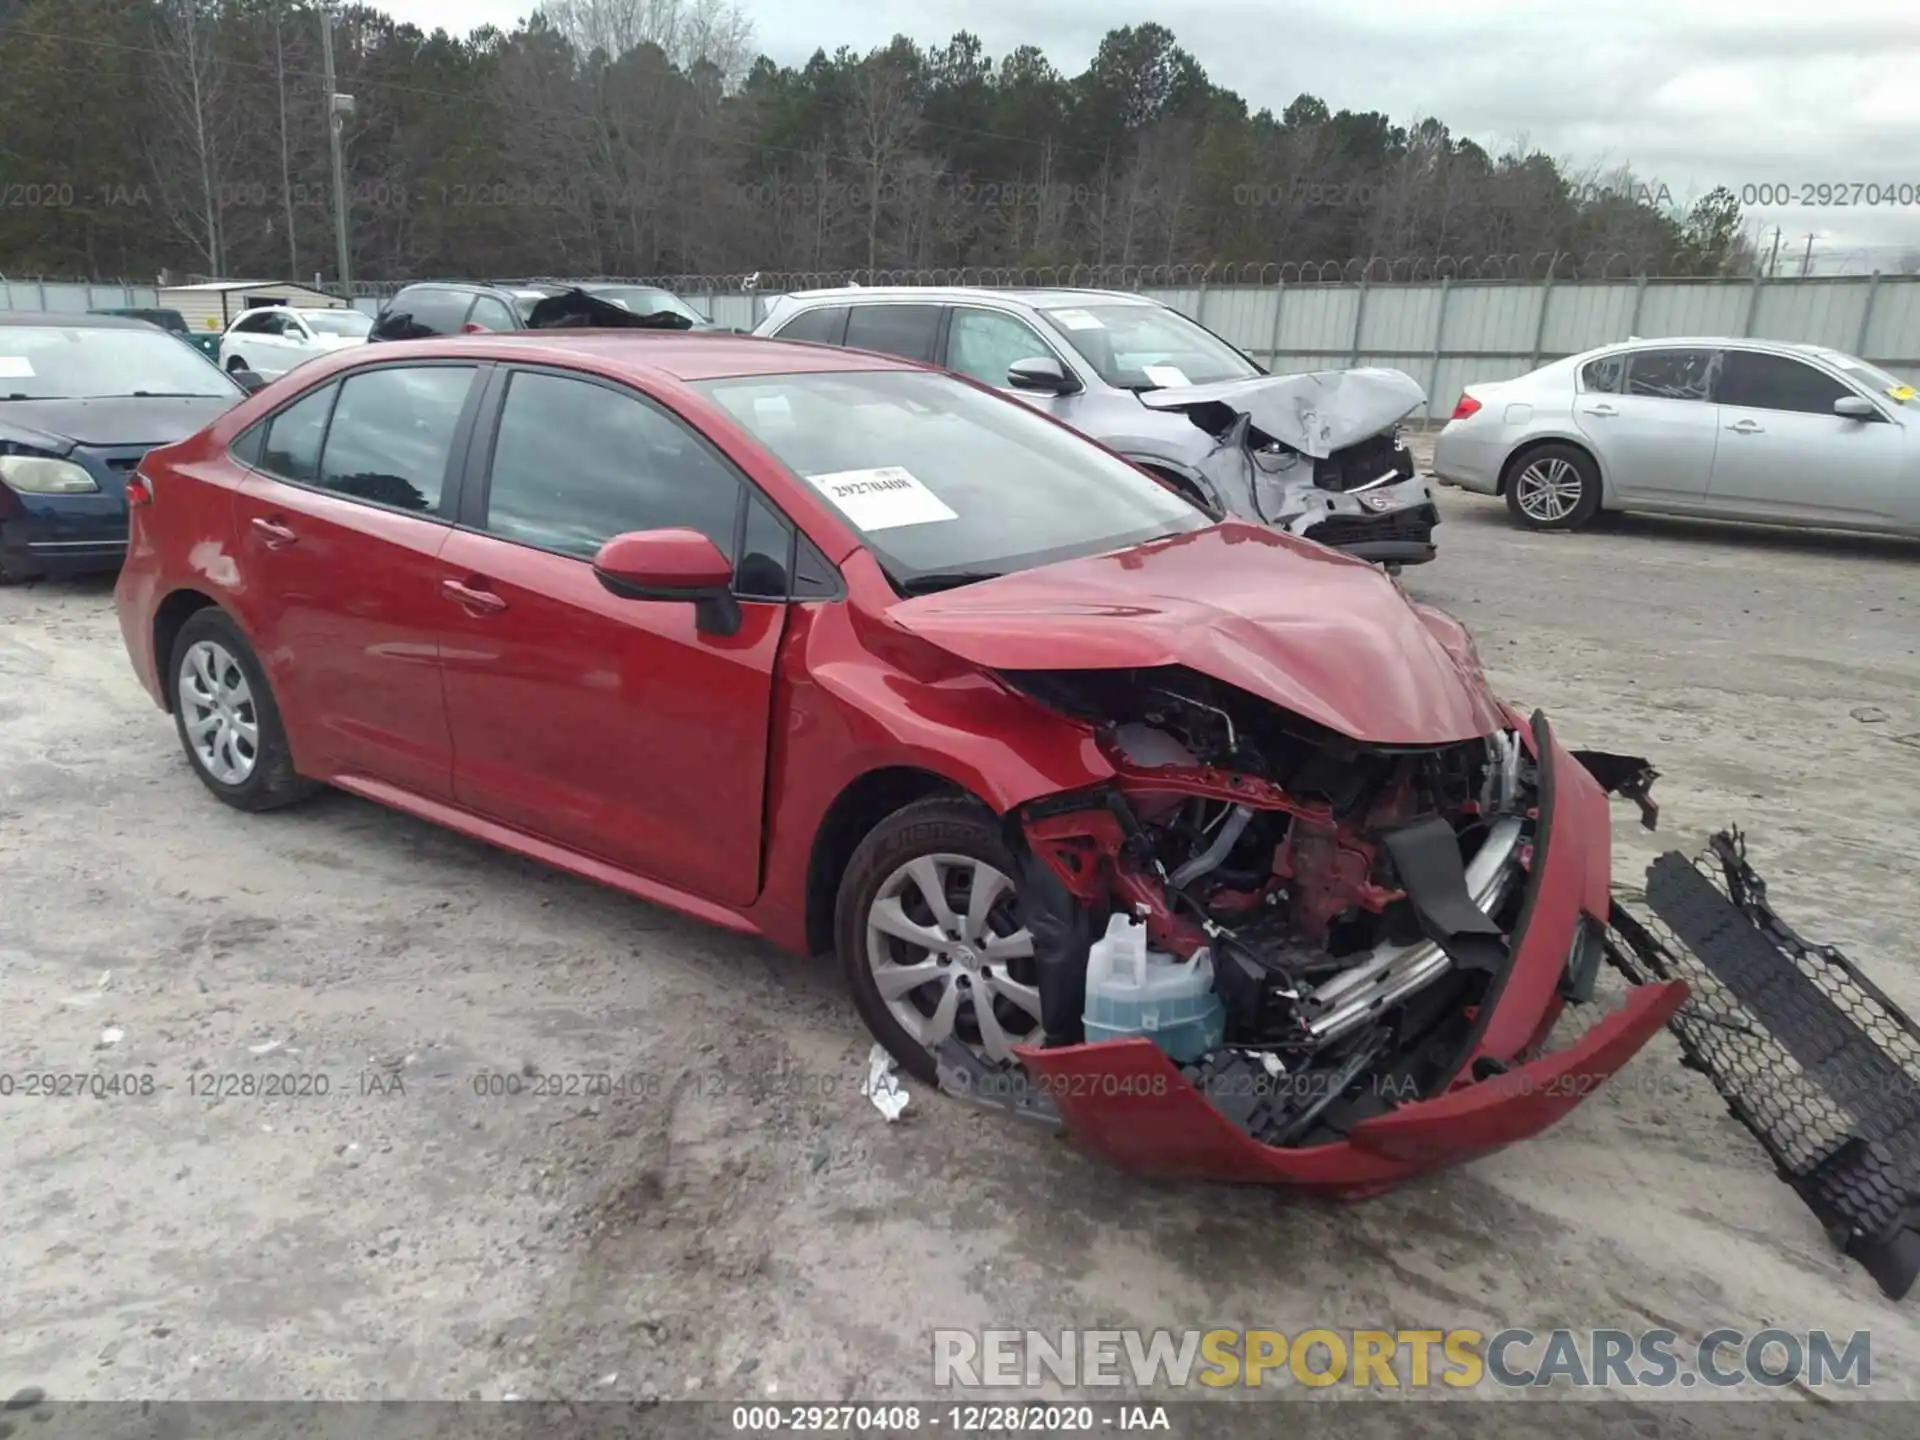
[
  {"x": 947, "y": 483},
  {"x": 45, "y": 362},
  {"x": 645, "y": 300},
  {"x": 1146, "y": 347},
  {"x": 338, "y": 322},
  {"x": 1872, "y": 377}
]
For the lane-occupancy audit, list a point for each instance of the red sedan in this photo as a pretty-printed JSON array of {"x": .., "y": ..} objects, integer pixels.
[{"x": 859, "y": 656}]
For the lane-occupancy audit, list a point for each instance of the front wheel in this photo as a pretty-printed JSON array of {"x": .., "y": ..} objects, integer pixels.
[
  {"x": 236, "y": 365},
  {"x": 1556, "y": 487},
  {"x": 928, "y": 927}
]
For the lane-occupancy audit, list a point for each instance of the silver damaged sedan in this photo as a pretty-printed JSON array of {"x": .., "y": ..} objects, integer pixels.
[{"x": 1751, "y": 430}]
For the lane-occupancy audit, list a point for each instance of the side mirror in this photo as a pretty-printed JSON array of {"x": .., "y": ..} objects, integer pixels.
[
  {"x": 248, "y": 380},
  {"x": 1855, "y": 407},
  {"x": 672, "y": 565},
  {"x": 1042, "y": 373}
]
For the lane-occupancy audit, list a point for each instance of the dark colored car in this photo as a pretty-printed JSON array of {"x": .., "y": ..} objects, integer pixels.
[
  {"x": 436, "y": 308},
  {"x": 173, "y": 322},
  {"x": 82, "y": 398},
  {"x": 858, "y": 656}
]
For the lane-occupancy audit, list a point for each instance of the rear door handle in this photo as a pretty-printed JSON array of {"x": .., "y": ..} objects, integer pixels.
[
  {"x": 1747, "y": 427},
  {"x": 273, "y": 533},
  {"x": 1601, "y": 410},
  {"x": 479, "y": 602}
]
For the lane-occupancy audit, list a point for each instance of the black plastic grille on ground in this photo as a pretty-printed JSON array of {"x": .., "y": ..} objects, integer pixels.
[{"x": 1809, "y": 1054}]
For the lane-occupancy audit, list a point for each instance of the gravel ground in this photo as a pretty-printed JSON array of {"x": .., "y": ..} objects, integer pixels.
[{"x": 741, "y": 1223}]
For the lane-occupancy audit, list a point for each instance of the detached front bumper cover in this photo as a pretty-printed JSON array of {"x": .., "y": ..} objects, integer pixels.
[{"x": 1809, "y": 1054}]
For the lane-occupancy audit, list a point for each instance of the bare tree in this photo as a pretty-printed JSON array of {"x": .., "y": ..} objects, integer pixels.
[
  {"x": 191, "y": 151},
  {"x": 882, "y": 123}
]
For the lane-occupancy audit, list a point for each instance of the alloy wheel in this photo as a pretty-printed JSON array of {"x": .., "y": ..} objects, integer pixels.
[
  {"x": 950, "y": 957},
  {"x": 1548, "y": 490},
  {"x": 222, "y": 726}
]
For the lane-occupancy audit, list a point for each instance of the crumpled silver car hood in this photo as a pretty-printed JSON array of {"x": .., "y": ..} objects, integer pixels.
[{"x": 1316, "y": 413}]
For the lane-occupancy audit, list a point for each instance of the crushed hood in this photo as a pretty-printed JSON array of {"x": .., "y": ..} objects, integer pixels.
[
  {"x": 1313, "y": 631},
  {"x": 1316, "y": 413},
  {"x": 571, "y": 308}
]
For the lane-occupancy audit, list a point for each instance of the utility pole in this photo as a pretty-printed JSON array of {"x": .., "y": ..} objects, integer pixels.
[
  {"x": 338, "y": 108},
  {"x": 1806, "y": 260},
  {"x": 1773, "y": 260}
]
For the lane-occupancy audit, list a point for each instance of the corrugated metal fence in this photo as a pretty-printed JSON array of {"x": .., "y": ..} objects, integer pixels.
[{"x": 1446, "y": 334}]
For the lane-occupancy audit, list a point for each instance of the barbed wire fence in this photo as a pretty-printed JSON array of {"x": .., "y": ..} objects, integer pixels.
[{"x": 1514, "y": 267}]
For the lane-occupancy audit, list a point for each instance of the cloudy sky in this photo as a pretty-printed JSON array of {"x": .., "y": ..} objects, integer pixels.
[{"x": 1692, "y": 94}]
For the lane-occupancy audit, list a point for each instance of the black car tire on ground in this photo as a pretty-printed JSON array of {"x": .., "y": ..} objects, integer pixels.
[
  {"x": 272, "y": 782},
  {"x": 938, "y": 825},
  {"x": 1584, "y": 509}
]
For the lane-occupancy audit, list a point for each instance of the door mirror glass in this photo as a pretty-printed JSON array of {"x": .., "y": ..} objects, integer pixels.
[
  {"x": 1855, "y": 407},
  {"x": 1042, "y": 373},
  {"x": 674, "y": 564}
]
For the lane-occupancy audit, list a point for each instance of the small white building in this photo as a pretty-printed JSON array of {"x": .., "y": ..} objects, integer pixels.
[{"x": 213, "y": 304}]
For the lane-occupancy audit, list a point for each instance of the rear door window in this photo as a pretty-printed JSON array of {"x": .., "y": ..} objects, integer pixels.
[
  {"x": 1674, "y": 374},
  {"x": 824, "y": 325},
  {"x": 392, "y": 434},
  {"x": 493, "y": 314},
  {"x": 904, "y": 330}
]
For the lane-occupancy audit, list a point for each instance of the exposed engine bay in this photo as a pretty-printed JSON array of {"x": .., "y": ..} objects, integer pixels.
[{"x": 1354, "y": 899}]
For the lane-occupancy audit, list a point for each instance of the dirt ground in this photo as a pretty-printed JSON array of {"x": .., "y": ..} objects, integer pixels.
[{"x": 741, "y": 1223}]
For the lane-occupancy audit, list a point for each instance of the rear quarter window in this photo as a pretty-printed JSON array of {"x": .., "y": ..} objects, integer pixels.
[{"x": 824, "y": 325}]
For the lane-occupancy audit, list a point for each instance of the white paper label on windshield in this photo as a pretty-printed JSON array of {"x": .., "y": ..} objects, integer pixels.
[
  {"x": 1078, "y": 320},
  {"x": 16, "y": 367},
  {"x": 1168, "y": 375},
  {"x": 772, "y": 405},
  {"x": 882, "y": 498}
]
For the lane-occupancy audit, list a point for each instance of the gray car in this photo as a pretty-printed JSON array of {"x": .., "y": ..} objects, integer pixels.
[
  {"x": 1316, "y": 454},
  {"x": 1754, "y": 430}
]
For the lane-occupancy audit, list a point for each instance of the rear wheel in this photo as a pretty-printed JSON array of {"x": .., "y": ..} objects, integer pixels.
[
  {"x": 928, "y": 928},
  {"x": 1556, "y": 487},
  {"x": 228, "y": 722}
]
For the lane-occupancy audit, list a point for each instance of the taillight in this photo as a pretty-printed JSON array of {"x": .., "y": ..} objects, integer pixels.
[
  {"x": 139, "y": 490},
  {"x": 1467, "y": 406},
  {"x": 470, "y": 328}
]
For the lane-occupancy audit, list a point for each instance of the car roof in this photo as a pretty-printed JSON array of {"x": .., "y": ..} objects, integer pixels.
[
  {"x": 1051, "y": 299},
  {"x": 685, "y": 355},
  {"x": 72, "y": 319},
  {"x": 1714, "y": 342}
]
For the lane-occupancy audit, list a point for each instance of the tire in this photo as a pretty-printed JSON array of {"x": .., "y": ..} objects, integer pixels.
[
  {"x": 949, "y": 835},
  {"x": 210, "y": 645},
  {"x": 1553, "y": 487}
]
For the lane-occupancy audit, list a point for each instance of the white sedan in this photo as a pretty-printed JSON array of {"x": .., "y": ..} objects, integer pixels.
[
  {"x": 272, "y": 339},
  {"x": 1728, "y": 429}
]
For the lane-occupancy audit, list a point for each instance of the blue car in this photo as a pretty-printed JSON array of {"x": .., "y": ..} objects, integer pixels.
[{"x": 82, "y": 399}]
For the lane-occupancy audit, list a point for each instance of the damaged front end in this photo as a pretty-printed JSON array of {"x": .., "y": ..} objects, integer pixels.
[
  {"x": 1393, "y": 931},
  {"x": 1318, "y": 455}
]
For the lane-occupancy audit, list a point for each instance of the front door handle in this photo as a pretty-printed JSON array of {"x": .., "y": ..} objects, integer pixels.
[
  {"x": 479, "y": 602},
  {"x": 1747, "y": 427},
  {"x": 275, "y": 535}
]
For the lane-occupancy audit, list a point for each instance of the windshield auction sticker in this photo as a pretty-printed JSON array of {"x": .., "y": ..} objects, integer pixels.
[
  {"x": 16, "y": 367},
  {"x": 882, "y": 498}
]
